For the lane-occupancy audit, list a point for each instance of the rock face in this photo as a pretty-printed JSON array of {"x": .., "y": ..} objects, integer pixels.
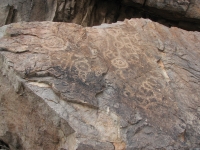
[
  {"x": 124, "y": 86},
  {"x": 180, "y": 13}
]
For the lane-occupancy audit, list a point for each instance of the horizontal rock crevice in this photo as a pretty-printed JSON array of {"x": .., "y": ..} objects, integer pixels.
[
  {"x": 182, "y": 14},
  {"x": 96, "y": 12}
]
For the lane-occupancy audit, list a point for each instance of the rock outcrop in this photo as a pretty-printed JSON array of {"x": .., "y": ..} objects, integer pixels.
[
  {"x": 123, "y": 86},
  {"x": 181, "y": 13}
]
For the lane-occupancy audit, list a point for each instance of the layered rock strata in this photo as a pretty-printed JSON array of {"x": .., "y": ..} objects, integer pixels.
[
  {"x": 181, "y": 13},
  {"x": 124, "y": 86}
]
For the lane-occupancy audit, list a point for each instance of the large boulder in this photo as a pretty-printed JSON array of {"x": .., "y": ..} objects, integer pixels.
[{"x": 124, "y": 86}]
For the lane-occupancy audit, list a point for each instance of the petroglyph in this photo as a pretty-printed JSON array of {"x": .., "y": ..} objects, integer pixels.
[
  {"x": 133, "y": 23},
  {"x": 120, "y": 73},
  {"x": 118, "y": 44},
  {"x": 64, "y": 58},
  {"x": 123, "y": 49},
  {"x": 134, "y": 38},
  {"x": 83, "y": 76},
  {"x": 110, "y": 54},
  {"x": 83, "y": 68},
  {"x": 99, "y": 72},
  {"x": 127, "y": 42},
  {"x": 149, "y": 92},
  {"x": 54, "y": 43},
  {"x": 119, "y": 63},
  {"x": 94, "y": 52},
  {"x": 113, "y": 32}
]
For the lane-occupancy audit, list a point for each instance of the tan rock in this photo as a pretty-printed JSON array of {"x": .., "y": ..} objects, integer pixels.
[{"x": 120, "y": 146}]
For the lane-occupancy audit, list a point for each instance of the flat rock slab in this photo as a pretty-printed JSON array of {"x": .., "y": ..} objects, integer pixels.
[{"x": 129, "y": 85}]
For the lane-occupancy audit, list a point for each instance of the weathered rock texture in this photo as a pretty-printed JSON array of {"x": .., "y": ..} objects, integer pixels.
[
  {"x": 125, "y": 86},
  {"x": 181, "y": 13}
]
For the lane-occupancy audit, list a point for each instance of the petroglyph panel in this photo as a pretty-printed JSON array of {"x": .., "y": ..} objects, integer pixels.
[{"x": 117, "y": 69}]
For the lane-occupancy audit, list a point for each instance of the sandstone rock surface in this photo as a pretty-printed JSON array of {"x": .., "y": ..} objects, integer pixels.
[
  {"x": 180, "y": 13},
  {"x": 123, "y": 86}
]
